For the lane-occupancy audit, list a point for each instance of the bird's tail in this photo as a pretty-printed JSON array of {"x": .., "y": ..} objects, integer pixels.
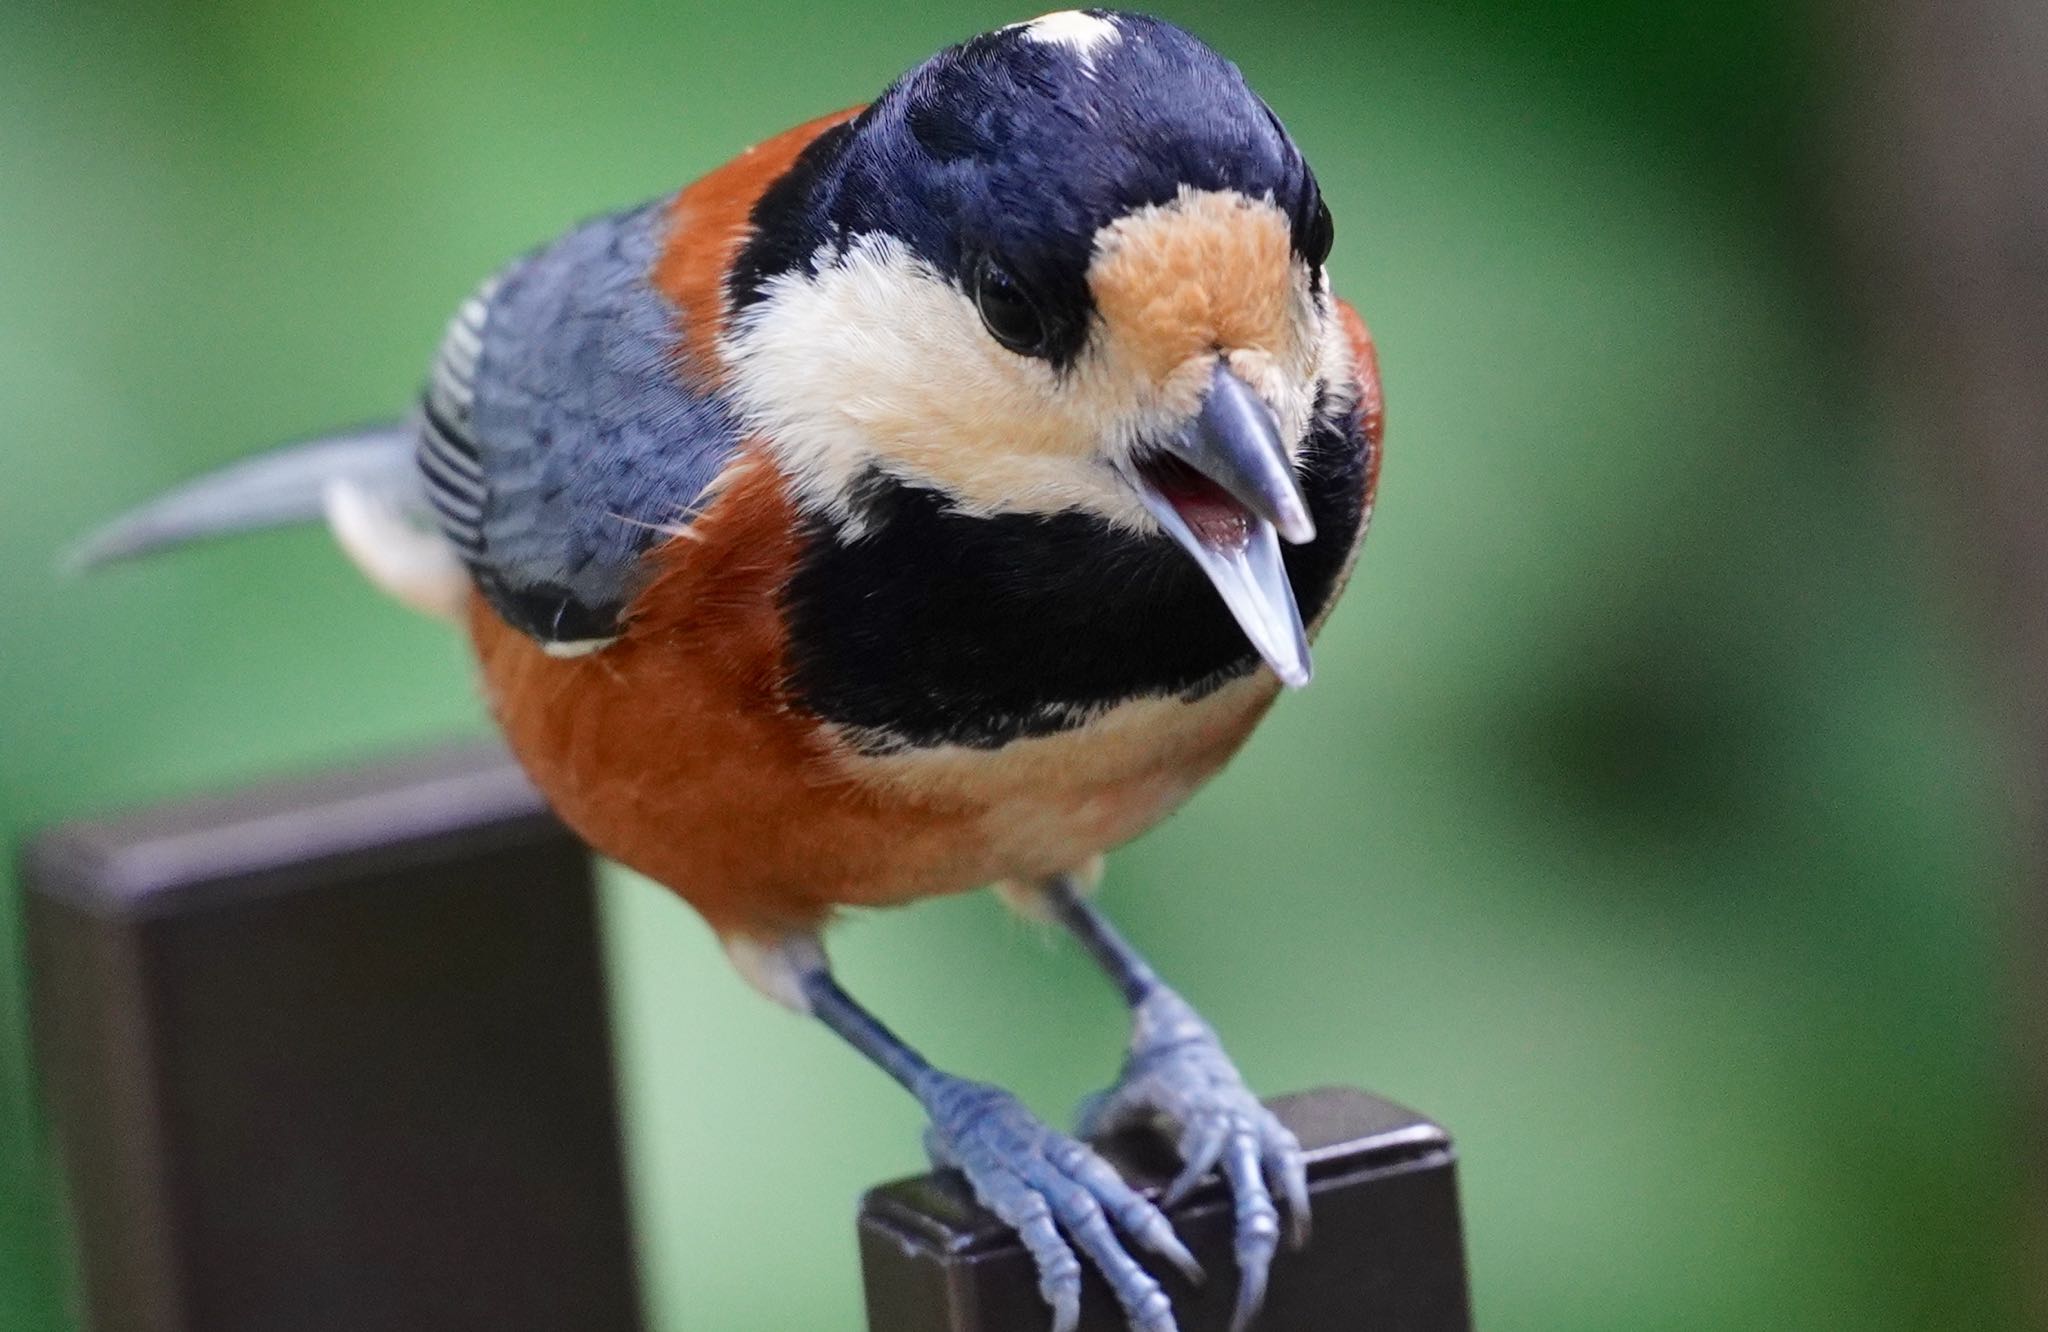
[
  {"x": 364, "y": 483},
  {"x": 289, "y": 484}
]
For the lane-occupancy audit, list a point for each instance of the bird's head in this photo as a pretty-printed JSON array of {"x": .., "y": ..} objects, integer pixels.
[{"x": 1072, "y": 265}]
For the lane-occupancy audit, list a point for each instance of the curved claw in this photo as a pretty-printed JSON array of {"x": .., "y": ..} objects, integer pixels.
[
  {"x": 1286, "y": 1168},
  {"x": 1135, "y": 1216},
  {"x": 1258, "y": 1225},
  {"x": 1200, "y": 1148},
  {"x": 1058, "y": 1195},
  {"x": 1178, "y": 1075}
]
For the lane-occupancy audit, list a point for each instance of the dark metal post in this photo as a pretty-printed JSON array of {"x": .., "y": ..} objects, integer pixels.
[
  {"x": 334, "y": 1055},
  {"x": 1387, "y": 1255}
]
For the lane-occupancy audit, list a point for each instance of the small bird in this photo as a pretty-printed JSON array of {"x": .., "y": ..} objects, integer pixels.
[{"x": 932, "y": 497}]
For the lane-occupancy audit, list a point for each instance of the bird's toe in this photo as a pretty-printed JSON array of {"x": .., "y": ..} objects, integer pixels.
[
  {"x": 1059, "y": 1196},
  {"x": 1178, "y": 1076}
]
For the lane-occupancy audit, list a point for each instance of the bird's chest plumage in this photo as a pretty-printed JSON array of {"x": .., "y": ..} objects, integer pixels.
[
  {"x": 922, "y": 625},
  {"x": 797, "y": 718},
  {"x": 1045, "y": 803},
  {"x": 690, "y": 751}
]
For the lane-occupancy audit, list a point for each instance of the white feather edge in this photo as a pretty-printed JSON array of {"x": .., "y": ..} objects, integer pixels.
[{"x": 413, "y": 566}]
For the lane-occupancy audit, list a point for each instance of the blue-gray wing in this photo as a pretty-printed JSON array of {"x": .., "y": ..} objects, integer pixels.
[{"x": 557, "y": 441}]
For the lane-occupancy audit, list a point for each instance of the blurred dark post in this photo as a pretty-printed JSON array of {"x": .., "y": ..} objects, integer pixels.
[
  {"x": 334, "y": 1055},
  {"x": 1387, "y": 1254},
  {"x": 1943, "y": 137}
]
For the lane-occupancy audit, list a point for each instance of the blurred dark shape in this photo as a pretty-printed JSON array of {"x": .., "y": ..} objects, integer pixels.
[
  {"x": 1659, "y": 731},
  {"x": 334, "y": 1054},
  {"x": 1945, "y": 206}
]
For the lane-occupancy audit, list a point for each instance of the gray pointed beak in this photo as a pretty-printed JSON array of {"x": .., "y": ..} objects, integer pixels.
[
  {"x": 1235, "y": 442},
  {"x": 1223, "y": 487}
]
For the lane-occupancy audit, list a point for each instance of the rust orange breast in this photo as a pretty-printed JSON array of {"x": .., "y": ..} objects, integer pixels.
[
  {"x": 679, "y": 751},
  {"x": 676, "y": 752}
]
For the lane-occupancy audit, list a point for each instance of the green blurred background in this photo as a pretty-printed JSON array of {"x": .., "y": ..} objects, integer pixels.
[{"x": 1643, "y": 824}]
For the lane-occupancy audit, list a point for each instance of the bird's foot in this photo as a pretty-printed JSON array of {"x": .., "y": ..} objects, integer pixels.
[
  {"x": 1179, "y": 1078},
  {"x": 1042, "y": 1183}
]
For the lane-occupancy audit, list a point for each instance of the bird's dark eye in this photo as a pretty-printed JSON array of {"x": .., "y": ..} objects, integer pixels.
[
  {"x": 1319, "y": 236},
  {"x": 1008, "y": 313}
]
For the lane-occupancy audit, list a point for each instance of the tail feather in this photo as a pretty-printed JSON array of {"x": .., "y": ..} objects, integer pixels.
[{"x": 282, "y": 486}]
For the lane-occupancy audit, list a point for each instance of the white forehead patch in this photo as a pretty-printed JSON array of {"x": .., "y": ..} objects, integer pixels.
[{"x": 1079, "y": 32}]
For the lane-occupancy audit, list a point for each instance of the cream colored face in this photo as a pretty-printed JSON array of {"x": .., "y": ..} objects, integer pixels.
[{"x": 879, "y": 361}]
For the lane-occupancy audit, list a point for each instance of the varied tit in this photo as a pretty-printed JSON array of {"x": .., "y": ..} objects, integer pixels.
[{"x": 934, "y": 496}]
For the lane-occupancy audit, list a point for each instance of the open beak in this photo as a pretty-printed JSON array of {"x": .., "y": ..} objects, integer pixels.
[{"x": 1224, "y": 487}]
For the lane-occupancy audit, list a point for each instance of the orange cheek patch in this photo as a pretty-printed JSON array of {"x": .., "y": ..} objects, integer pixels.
[{"x": 1209, "y": 270}]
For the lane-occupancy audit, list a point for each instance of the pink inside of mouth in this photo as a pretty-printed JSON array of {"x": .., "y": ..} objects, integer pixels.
[{"x": 1211, "y": 512}]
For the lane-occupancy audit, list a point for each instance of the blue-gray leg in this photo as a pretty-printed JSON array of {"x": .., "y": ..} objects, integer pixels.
[
  {"x": 1177, "y": 1076},
  {"x": 1054, "y": 1191}
]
